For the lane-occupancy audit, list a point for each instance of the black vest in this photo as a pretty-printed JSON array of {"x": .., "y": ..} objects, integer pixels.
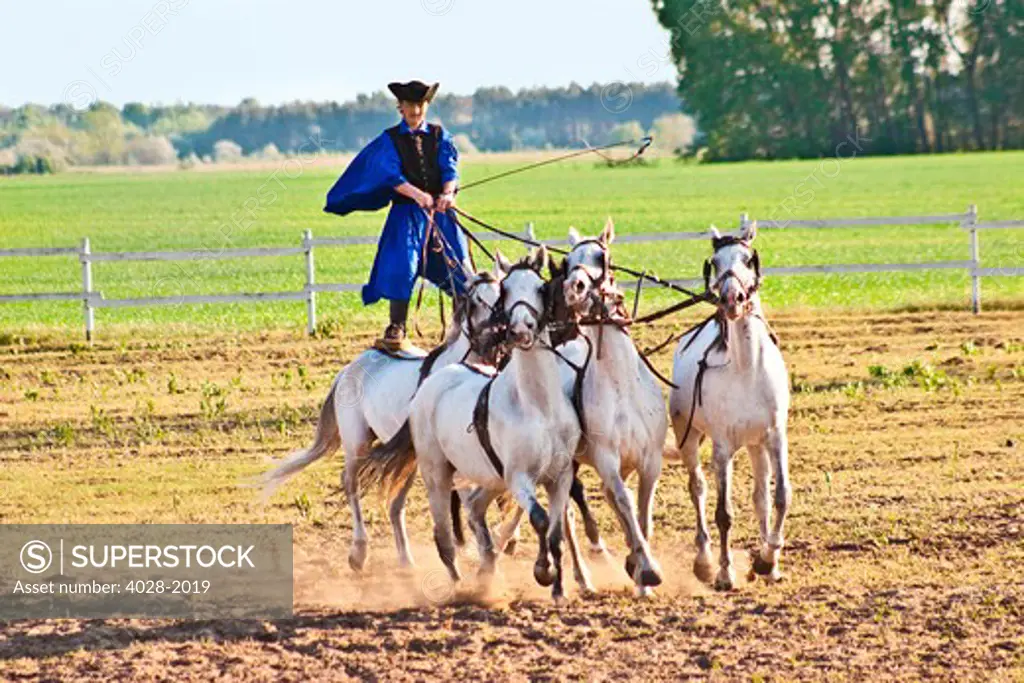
[{"x": 419, "y": 161}]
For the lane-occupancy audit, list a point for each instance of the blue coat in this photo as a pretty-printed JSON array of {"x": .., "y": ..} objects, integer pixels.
[{"x": 368, "y": 185}]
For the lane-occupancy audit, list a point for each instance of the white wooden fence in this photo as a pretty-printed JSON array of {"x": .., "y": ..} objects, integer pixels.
[{"x": 92, "y": 299}]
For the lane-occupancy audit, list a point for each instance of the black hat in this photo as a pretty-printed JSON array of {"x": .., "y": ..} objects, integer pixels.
[{"x": 413, "y": 91}]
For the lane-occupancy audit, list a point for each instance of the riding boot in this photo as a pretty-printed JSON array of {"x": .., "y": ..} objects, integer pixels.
[{"x": 395, "y": 332}]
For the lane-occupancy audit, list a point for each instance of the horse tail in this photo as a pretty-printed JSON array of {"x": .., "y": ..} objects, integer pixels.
[
  {"x": 326, "y": 441},
  {"x": 388, "y": 465}
]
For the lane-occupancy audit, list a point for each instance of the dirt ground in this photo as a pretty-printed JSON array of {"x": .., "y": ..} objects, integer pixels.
[{"x": 904, "y": 545}]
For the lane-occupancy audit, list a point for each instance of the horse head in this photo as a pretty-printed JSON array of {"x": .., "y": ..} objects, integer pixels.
[
  {"x": 524, "y": 299},
  {"x": 736, "y": 268},
  {"x": 588, "y": 275},
  {"x": 473, "y": 312}
]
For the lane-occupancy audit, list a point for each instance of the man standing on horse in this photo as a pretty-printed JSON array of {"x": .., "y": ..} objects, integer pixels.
[{"x": 412, "y": 166}]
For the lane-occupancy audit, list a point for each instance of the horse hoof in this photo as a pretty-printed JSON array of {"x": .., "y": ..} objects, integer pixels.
[
  {"x": 650, "y": 577},
  {"x": 724, "y": 583},
  {"x": 559, "y": 600},
  {"x": 644, "y": 592},
  {"x": 510, "y": 547},
  {"x": 598, "y": 552},
  {"x": 357, "y": 557},
  {"x": 760, "y": 566},
  {"x": 543, "y": 575}
]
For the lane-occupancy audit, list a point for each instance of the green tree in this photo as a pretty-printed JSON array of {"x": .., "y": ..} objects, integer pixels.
[
  {"x": 137, "y": 114},
  {"x": 803, "y": 77}
]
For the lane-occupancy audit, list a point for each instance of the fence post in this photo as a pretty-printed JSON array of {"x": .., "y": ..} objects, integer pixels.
[
  {"x": 83, "y": 256},
  {"x": 969, "y": 222},
  {"x": 307, "y": 242},
  {"x": 744, "y": 222}
]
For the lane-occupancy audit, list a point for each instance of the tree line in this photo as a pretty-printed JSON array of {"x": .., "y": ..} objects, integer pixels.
[
  {"x": 796, "y": 78},
  {"x": 491, "y": 119}
]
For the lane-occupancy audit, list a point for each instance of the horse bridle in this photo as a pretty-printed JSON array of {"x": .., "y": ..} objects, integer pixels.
[
  {"x": 479, "y": 342},
  {"x": 468, "y": 305},
  {"x": 607, "y": 316},
  {"x": 500, "y": 318},
  {"x": 598, "y": 282},
  {"x": 598, "y": 289},
  {"x": 754, "y": 263}
]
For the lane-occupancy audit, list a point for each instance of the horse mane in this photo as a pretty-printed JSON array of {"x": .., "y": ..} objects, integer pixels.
[
  {"x": 562, "y": 331},
  {"x": 728, "y": 240}
]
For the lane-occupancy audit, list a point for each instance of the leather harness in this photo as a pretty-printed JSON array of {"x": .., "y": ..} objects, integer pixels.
[
  {"x": 482, "y": 410},
  {"x": 721, "y": 340},
  {"x": 481, "y": 415},
  {"x": 429, "y": 361}
]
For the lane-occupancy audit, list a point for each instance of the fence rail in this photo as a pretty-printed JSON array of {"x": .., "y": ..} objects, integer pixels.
[
  {"x": 998, "y": 225},
  {"x": 44, "y": 251},
  {"x": 41, "y": 296},
  {"x": 868, "y": 221},
  {"x": 92, "y": 300},
  {"x": 199, "y": 255}
]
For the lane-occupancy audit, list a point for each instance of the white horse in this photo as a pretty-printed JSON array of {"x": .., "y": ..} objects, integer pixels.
[
  {"x": 623, "y": 413},
  {"x": 733, "y": 387},
  {"x": 624, "y": 409},
  {"x": 369, "y": 399},
  {"x": 512, "y": 431}
]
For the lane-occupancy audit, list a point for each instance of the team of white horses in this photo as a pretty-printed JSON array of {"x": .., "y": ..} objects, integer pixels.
[{"x": 556, "y": 404}]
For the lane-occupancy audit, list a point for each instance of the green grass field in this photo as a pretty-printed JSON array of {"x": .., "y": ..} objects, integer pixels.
[{"x": 194, "y": 211}]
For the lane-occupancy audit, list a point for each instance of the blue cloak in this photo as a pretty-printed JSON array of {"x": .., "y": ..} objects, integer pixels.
[{"x": 368, "y": 185}]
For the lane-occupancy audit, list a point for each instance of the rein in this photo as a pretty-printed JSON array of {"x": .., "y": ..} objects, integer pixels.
[
  {"x": 475, "y": 344},
  {"x": 434, "y": 234},
  {"x": 435, "y": 241},
  {"x": 621, "y": 325},
  {"x": 644, "y": 275},
  {"x": 597, "y": 296}
]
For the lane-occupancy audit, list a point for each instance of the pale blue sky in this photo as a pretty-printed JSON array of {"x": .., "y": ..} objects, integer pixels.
[{"x": 219, "y": 51}]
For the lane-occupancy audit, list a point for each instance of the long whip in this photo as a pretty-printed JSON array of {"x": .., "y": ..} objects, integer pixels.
[{"x": 644, "y": 143}]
